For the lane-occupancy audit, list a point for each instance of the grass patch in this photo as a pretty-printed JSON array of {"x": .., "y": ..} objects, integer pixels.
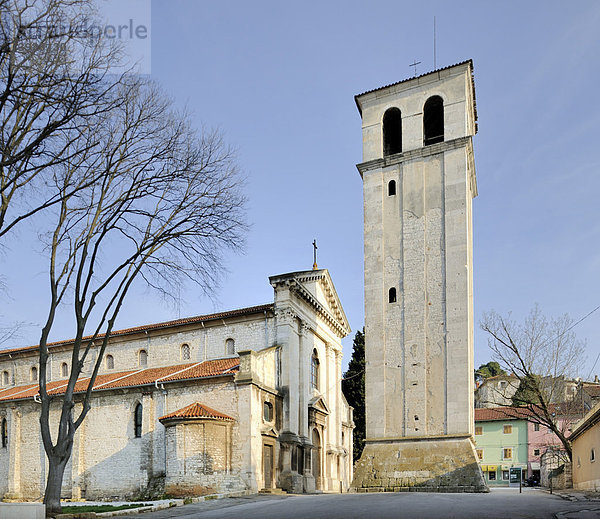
[{"x": 99, "y": 508}]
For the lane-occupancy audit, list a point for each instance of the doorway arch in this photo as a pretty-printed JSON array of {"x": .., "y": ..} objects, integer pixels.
[{"x": 316, "y": 461}]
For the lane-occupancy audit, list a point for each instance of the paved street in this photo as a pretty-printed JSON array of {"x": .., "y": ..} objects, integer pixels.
[{"x": 500, "y": 504}]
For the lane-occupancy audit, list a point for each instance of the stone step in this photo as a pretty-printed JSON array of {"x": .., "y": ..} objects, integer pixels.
[{"x": 273, "y": 491}]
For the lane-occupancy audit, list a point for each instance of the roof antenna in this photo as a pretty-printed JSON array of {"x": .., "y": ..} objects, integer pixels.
[{"x": 434, "y": 47}]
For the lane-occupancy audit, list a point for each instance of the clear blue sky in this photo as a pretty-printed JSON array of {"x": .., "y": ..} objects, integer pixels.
[{"x": 279, "y": 79}]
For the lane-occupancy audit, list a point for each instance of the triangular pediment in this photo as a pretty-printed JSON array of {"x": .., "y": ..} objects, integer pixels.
[
  {"x": 319, "y": 404},
  {"x": 317, "y": 289},
  {"x": 269, "y": 431}
]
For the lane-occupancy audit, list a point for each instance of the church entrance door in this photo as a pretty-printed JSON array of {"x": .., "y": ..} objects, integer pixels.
[
  {"x": 316, "y": 461},
  {"x": 268, "y": 465}
]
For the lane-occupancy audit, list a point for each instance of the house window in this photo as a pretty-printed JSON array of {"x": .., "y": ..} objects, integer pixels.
[
  {"x": 185, "y": 352},
  {"x": 33, "y": 375},
  {"x": 268, "y": 411},
  {"x": 536, "y": 426},
  {"x": 392, "y": 295},
  {"x": 479, "y": 453},
  {"x": 4, "y": 433},
  {"x": 229, "y": 347},
  {"x": 507, "y": 429},
  {"x": 492, "y": 475},
  {"x": 64, "y": 370},
  {"x": 143, "y": 358},
  {"x": 433, "y": 121},
  {"x": 392, "y": 132},
  {"x": 593, "y": 455},
  {"x": 505, "y": 475},
  {"x": 478, "y": 429},
  {"x": 507, "y": 453},
  {"x": 502, "y": 384},
  {"x": 110, "y": 362},
  {"x": 391, "y": 188},
  {"x": 536, "y": 452},
  {"x": 137, "y": 419},
  {"x": 314, "y": 370},
  {"x": 5, "y": 378}
]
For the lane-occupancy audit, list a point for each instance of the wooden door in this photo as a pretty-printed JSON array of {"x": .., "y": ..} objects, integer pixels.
[{"x": 268, "y": 465}]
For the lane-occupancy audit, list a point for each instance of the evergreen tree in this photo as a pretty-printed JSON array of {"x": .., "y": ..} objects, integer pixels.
[
  {"x": 491, "y": 369},
  {"x": 353, "y": 386},
  {"x": 526, "y": 393}
]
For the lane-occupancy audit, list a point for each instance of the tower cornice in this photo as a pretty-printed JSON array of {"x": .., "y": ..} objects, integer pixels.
[{"x": 426, "y": 151}]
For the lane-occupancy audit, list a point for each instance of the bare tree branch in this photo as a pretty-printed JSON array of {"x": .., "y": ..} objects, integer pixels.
[{"x": 545, "y": 356}]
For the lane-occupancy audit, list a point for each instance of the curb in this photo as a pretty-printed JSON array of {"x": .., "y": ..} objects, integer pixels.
[
  {"x": 579, "y": 514},
  {"x": 172, "y": 503}
]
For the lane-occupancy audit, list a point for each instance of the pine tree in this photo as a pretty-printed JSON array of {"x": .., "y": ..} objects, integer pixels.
[{"x": 353, "y": 386}]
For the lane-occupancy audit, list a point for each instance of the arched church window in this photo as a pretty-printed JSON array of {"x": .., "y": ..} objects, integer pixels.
[
  {"x": 314, "y": 370},
  {"x": 64, "y": 370},
  {"x": 5, "y": 378},
  {"x": 110, "y": 362},
  {"x": 33, "y": 374},
  {"x": 392, "y": 295},
  {"x": 433, "y": 121},
  {"x": 391, "y": 188},
  {"x": 4, "y": 427},
  {"x": 143, "y": 358},
  {"x": 229, "y": 347},
  {"x": 185, "y": 352},
  {"x": 392, "y": 132},
  {"x": 137, "y": 419}
]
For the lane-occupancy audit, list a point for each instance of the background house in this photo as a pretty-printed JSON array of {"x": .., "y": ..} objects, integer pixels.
[
  {"x": 496, "y": 391},
  {"x": 585, "y": 441},
  {"x": 501, "y": 445}
]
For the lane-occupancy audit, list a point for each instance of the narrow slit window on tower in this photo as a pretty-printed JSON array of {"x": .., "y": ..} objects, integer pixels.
[
  {"x": 138, "y": 421},
  {"x": 64, "y": 370},
  {"x": 391, "y": 188},
  {"x": 4, "y": 433},
  {"x": 392, "y": 132},
  {"x": 5, "y": 378},
  {"x": 392, "y": 295},
  {"x": 433, "y": 121},
  {"x": 33, "y": 376},
  {"x": 229, "y": 347},
  {"x": 110, "y": 362}
]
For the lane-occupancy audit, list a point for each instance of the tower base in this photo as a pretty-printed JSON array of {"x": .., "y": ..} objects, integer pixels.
[{"x": 430, "y": 464}]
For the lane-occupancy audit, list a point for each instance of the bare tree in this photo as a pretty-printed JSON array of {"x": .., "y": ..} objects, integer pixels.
[
  {"x": 167, "y": 205},
  {"x": 54, "y": 82},
  {"x": 545, "y": 356}
]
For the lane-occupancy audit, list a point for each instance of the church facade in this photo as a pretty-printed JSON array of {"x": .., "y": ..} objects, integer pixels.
[{"x": 243, "y": 400}]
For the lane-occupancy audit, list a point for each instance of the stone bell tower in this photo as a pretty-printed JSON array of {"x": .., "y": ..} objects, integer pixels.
[{"x": 418, "y": 182}]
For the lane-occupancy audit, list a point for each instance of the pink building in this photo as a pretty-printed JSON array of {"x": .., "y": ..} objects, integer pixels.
[{"x": 539, "y": 438}]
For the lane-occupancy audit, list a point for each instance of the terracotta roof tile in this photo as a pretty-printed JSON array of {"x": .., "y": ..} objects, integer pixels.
[
  {"x": 158, "y": 326},
  {"x": 132, "y": 378},
  {"x": 483, "y": 414},
  {"x": 195, "y": 410}
]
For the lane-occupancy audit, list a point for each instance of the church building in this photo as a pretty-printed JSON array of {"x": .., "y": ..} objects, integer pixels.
[{"x": 243, "y": 400}]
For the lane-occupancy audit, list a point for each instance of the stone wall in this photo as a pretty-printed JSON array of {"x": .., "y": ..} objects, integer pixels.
[{"x": 106, "y": 445}]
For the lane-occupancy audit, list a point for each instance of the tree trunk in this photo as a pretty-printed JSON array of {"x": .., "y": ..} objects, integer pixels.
[{"x": 56, "y": 470}]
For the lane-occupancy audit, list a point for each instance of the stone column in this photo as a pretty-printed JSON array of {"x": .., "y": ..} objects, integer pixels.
[
  {"x": 14, "y": 454},
  {"x": 288, "y": 337}
]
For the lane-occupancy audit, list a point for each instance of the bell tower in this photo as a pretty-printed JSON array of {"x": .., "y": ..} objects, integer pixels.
[{"x": 418, "y": 177}]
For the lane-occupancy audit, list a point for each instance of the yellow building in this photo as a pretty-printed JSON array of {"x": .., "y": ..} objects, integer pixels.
[{"x": 586, "y": 449}]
